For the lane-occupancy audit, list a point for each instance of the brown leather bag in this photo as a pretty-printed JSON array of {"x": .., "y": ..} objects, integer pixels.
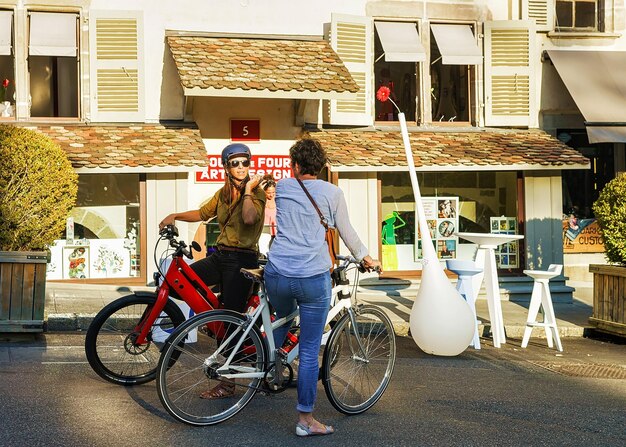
[{"x": 331, "y": 233}]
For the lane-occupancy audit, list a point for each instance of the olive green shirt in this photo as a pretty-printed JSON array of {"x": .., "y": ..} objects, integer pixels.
[{"x": 236, "y": 233}]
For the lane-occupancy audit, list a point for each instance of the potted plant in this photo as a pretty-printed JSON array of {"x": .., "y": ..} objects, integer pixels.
[
  {"x": 38, "y": 188},
  {"x": 609, "y": 281}
]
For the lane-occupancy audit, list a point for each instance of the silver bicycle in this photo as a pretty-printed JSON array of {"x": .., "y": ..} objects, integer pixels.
[{"x": 233, "y": 348}]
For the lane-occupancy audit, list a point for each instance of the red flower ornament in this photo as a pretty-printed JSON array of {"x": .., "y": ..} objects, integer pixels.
[{"x": 383, "y": 93}]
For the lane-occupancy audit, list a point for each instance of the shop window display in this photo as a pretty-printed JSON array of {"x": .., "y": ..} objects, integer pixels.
[
  {"x": 461, "y": 202},
  {"x": 102, "y": 233},
  {"x": 582, "y": 187}
]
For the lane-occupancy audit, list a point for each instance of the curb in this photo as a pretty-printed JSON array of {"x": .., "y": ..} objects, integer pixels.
[
  {"x": 80, "y": 322},
  {"x": 402, "y": 329}
]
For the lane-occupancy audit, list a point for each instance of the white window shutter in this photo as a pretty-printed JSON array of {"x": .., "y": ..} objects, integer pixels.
[
  {"x": 117, "y": 67},
  {"x": 541, "y": 11},
  {"x": 510, "y": 83},
  {"x": 352, "y": 39}
]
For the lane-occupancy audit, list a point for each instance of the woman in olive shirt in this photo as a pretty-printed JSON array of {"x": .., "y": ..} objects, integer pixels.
[{"x": 239, "y": 207}]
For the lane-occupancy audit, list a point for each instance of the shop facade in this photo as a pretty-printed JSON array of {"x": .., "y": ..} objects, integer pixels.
[
  {"x": 125, "y": 178},
  {"x": 468, "y": 76}
]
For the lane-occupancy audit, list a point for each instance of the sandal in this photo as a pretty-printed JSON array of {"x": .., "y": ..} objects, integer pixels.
[
  {"x": 220, "y": 391},
  {"x": 304, "y": 430}
]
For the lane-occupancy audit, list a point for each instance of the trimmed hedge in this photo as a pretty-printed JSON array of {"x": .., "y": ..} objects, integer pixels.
[
  {"x": 610, "y": 209},
  {"x": 37, "y": 189}
]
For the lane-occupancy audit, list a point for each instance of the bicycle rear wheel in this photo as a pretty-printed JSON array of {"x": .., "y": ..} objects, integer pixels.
[
  {"x": 186, "y": 370},
  {"x": 110, "y": 340},
  {"x": 359, "y": 360}
]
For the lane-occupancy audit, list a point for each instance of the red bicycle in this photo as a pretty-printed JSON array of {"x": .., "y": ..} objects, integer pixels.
[{"x": 124, "y": 340}]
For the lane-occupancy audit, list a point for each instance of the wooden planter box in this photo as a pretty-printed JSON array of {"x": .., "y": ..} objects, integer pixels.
[
  {"x": 609, "y": 298},
  {"x": 22, "y": 291}
]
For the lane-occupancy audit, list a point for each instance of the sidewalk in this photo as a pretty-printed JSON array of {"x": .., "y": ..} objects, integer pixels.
[{"x": 70, "y": 307}]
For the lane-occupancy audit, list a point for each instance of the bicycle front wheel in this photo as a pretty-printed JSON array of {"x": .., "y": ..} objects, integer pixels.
[
  {"x": 188, "y": 370},
  {"x": 359, "y": 360},
  {"x": 110, "y": 342}
]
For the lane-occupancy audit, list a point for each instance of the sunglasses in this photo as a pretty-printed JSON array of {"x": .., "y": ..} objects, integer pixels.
[{"x": 236, "y": 163}]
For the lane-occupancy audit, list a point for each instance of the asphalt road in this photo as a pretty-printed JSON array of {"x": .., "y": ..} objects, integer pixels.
[{"x": 50, "y": 397}]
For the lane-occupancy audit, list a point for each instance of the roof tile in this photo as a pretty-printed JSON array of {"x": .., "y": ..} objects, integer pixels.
[
  {"x": 273, "y": 64},
  {"x": 130, "y": 146},
  {"x": 365, "y": 148}
]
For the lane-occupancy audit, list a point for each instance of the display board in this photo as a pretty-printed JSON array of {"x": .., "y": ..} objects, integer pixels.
[
  {"x": 507, "y": 255},
  {"x": 442, "y": 217}
]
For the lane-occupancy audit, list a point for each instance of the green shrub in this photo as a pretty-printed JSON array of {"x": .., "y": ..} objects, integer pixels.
[
  {"x": 610, "y": 209},
  {"x": 37, "y": 189}
]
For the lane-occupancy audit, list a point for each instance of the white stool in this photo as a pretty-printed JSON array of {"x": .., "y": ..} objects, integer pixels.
[
  {"x": 466, "y": 271},
  {"x": 541, "y": 297}
]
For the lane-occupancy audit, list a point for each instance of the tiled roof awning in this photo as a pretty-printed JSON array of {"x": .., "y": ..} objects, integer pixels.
[
  {"x": 260, "y": 67},
  {"x": 141, "y": 148},
  {"x": 493, "y": 150}
]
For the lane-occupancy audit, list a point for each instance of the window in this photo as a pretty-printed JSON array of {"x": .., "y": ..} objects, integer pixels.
[
  {"x": 577, "y": 15},
  {"x": 582, "y": 187},
  {"x": 103, "y": 235},
  {"x": 53, "y": 65},
  {"x": 449, "y": 91},
  {"x": 481, "y": 196},
  {"x": 7, "y": 66},
  {"x": 397, "y": 50},
  {"x": 453, "y": 55}
]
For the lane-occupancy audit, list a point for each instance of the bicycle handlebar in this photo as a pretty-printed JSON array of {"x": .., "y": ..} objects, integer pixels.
[
  {"x": 170, "y": 232},
  {"x": 352, "y": 260}
]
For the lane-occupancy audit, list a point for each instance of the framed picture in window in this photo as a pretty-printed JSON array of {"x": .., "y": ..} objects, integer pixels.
[
  {"x": 507, "y": 256},
  {"x": 76, "y": 262}
]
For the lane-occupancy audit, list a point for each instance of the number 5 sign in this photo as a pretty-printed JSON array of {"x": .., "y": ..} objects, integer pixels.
[{"x": 245, "y": 130}]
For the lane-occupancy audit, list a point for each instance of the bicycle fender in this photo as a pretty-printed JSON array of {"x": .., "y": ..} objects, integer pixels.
[{"x": 145, "y": 293}]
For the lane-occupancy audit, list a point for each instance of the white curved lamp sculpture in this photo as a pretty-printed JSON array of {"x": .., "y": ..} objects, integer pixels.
[{"x": 442, "y": 322}]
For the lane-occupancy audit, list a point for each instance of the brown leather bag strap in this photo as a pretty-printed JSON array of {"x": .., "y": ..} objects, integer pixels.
[
  {"x": 322, "y": 218},
  {"x": 231, "y": 209}
]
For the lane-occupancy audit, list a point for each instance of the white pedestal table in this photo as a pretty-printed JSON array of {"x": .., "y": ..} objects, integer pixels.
[{"x": 486, "y": 259}]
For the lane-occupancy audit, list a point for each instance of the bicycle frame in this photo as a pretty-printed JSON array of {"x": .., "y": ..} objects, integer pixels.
[
  {"x": 341, "y": 301},
  {"x": 189, "y": 287}
]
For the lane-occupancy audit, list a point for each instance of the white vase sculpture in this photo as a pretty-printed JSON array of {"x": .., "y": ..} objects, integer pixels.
[{"x": 442, "y": 322}]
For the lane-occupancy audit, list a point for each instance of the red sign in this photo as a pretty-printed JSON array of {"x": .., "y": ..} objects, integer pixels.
[
  {"x": 245, "y": 130},
  {"x": 277, "y": 165}
]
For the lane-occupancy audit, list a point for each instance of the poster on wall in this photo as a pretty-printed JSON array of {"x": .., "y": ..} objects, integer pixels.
[
  {"x": 582, "y": 236},
  {"x": 54, "y": 268},
  {"x": 442, "y": 219},
  {"x": 76, "y": 262},
  {"x": 110, "y": 259},
  {"x": 507, "y": 255}
]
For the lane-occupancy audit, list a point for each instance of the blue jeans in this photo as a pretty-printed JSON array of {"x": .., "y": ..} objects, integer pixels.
[{"x": 312, "y": 295}]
